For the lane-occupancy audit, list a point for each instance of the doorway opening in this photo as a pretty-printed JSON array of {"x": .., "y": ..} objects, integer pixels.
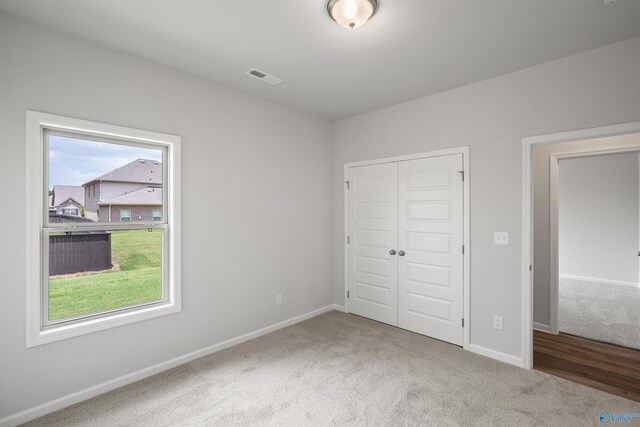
[
  {"x": 595, "y": 200},
  {"x": 583, "y": 236}
]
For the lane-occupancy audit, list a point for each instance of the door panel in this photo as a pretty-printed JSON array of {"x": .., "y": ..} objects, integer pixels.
[
  {"x": 373, "y": 230},
  {"x": 430, "y": 231}
]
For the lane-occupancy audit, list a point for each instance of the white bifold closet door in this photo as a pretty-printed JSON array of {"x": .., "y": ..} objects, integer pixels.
[
  {"x": 430, "y": 232},
  {"x": 373, "y": 225},
  {"x": 405, "y": 250}
]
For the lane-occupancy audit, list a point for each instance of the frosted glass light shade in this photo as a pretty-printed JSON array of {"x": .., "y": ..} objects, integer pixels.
[{"x": 351, "y": 13}]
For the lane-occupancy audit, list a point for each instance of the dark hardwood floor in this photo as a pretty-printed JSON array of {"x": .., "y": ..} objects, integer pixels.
[{"x": 606, "y": 367}]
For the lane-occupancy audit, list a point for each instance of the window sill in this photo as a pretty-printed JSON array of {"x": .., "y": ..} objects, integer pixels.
[{"x": 82, "y": 327}]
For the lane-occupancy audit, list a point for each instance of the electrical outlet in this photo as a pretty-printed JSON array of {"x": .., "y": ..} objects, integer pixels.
[
  {"x": 279, "y": 299},
  {"x": 497, "y": 322},
  {"x": 500, "y": 238}
]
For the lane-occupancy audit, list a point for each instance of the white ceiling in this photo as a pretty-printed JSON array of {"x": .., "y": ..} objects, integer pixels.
[{"x": 408, "y": 50}]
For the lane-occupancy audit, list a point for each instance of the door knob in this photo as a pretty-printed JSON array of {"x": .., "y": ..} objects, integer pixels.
[
  {"x": 392, "y": 252},
  {"x": 401, "y": 253}
]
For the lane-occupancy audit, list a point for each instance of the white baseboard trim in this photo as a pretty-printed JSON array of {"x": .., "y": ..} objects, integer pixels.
[
  {"x": 605, "y": 281},
  {"x": 339, "y": 307},
  {"x": 70, "y": 399},
  {"x": 542, "y": 327},
  {"x": 497, "y": 355}
]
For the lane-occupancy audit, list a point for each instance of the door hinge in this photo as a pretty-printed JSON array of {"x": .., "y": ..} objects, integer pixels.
[
  {"x": 530, "y": 267},
  {"x": 462, "y": 174},
  {"x": 462, "y": 249},
  {"x": 463, "y": 323},
  {"x": 347, "y": 182},
  {"x": 347, "y": 294},
  {"x": 348, "y": 240}
]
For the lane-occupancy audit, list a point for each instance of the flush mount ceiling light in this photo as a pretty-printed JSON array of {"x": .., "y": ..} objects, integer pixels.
[{"x": 351, "y": 13}]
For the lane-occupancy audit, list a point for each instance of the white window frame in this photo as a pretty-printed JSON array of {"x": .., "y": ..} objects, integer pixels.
[
  {"x": 123, "y": 216},
  {"x": 38, "y": 331}
]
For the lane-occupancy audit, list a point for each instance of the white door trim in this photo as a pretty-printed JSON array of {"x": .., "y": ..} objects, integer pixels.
[
  {"x": 527, "y": 216},
  {"x": 464, "y": 150},
  {"x": 554, "y": 245}
]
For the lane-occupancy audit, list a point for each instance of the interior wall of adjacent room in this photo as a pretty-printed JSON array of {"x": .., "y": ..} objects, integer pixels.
[
  {"x": 599, "y": 217},
  {"x": 492, "y": 117},
  {"x": 256, "y": 208},
  {"x": 540, "y": 171}
]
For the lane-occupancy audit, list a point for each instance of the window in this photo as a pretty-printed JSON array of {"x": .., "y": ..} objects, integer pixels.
[
  {"x": 94, "y": 272},
  {"x": 125, "y": 215}
]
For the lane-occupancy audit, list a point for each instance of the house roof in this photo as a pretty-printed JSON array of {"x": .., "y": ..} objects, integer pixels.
[
  {"x": 140, "y": 171},
  {"x": 148, "y": 196},
  {"x": 62, "y": 193}
]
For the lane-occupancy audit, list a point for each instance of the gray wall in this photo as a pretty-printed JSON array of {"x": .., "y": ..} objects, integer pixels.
[
  {"x": 599, "y": 218},
  {"x": 492, "y": 117},
  {"x": 541, "y": 155},
  {"x": 257, "y": 208}
]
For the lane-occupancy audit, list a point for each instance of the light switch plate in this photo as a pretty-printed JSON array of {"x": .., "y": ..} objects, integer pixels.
[{"x": 500, "y": 238}]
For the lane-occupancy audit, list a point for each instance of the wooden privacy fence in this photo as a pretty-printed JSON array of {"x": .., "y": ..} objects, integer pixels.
[{"x": 75, "y": 253}]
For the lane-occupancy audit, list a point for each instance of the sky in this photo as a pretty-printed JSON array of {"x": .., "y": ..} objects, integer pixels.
[{"x": 75, "y": 161}]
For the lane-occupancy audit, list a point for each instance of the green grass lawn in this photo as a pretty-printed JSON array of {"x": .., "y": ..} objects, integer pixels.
[{"x": 139, "y": 255}]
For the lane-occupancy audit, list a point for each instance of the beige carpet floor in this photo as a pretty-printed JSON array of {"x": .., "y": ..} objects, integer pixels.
[{"x": 340, "y": 369}]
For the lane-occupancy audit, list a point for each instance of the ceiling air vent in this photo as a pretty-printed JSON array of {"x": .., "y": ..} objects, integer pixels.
[{"x": 267, "y": 78}]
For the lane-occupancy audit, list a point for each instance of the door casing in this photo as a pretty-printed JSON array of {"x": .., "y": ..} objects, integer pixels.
[{"x": 464, "y": 150}]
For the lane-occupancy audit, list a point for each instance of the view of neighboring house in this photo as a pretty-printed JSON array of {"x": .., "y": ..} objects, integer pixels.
[
  {"x": 67, "y": 200},
  {"x": 132, "y": 192}
]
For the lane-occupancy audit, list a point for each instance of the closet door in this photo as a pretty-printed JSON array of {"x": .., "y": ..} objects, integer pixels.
[
  {"x": 430, "y": 236},
  {"x": 373, "y": 235}
]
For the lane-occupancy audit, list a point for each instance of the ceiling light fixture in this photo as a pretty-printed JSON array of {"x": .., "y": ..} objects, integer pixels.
[{"x": 351, "y": 13}]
